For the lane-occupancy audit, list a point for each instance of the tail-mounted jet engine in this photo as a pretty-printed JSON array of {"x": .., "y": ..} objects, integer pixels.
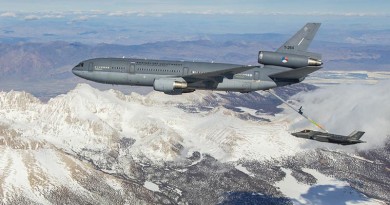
[{"x": 287, "y": 60}]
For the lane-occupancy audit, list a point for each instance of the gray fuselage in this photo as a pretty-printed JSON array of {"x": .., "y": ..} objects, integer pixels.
[
  {"x": 330, "y": 138},
  {"x": 142, "y": 72}
]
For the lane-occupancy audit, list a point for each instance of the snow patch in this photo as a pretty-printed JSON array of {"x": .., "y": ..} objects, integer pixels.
[
  {"x": 327, "y": 190},
  {"x": 244, "y": 170},
  {"x": 151, "y": 186},
  {"x": 248, "y": 110},
  {"x": 290, "y": 187}
]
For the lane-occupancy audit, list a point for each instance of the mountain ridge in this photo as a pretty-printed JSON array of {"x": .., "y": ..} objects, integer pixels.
[{"x": 107, "y": 147}]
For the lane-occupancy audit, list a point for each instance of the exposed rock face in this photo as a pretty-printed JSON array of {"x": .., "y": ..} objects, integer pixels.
[{"x": 93, "y": 147}]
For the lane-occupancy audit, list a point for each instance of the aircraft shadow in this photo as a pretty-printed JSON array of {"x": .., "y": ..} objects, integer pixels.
[
  {"x": 330, "y": 194},
  {"x": 248, "y": 198}
]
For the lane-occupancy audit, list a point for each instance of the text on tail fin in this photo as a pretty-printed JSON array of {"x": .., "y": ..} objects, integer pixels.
[{"x": 299, "y": 43}]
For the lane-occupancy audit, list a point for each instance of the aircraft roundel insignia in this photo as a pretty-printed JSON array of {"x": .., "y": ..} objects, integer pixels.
[{"x": 284, "y": 59}]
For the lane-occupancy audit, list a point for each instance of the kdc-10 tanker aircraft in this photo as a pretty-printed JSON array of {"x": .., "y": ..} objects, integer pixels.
[{"x": 289, "y": 64}]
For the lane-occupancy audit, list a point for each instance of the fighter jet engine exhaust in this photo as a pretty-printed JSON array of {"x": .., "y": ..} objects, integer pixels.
[{"x": 325, "y": 136}]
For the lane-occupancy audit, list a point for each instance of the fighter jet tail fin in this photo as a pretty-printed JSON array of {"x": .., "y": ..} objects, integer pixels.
[
  {"x": 356, "y": 135},
  {"x": 299, "y": 43}
]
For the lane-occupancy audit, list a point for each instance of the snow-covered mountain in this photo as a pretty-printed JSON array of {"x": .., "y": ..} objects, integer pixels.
[{"x": 104, "y": 147}]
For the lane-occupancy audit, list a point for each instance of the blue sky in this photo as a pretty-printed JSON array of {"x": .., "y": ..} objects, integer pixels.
[
  {"x": 141, "y": 21},
  {"x": 320, "y": 7}
]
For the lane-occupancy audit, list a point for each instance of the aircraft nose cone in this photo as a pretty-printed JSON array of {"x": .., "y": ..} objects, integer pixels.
[
  {"x": 294, "y": 134},
  {"x": 76, "y": 72}
]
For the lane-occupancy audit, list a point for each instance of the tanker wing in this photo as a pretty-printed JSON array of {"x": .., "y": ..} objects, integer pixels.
[{"x": 298, "y": 73}]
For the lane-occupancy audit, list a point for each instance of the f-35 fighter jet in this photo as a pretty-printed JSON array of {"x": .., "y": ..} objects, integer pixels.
[{"x": 353, "y": 138}]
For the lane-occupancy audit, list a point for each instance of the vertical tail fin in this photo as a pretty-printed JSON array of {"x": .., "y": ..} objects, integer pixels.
[
  {"x": 299, "y": 43},
  {"x": 356, "y": 135}
]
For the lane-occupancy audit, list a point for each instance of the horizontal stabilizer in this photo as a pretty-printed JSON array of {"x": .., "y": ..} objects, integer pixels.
[{"x": 296, "y": 73}]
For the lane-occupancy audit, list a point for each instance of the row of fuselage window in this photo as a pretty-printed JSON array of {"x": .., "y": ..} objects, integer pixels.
[
  {"x": 158, "y": 64},
  {"x": 160, "y": 70},
  {"x": 138, "y": 63},
  {"x": 108, "y": 68},
  {"x": 139, "y": 69}
]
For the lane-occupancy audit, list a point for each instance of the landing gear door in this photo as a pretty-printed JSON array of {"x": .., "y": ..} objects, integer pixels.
[
  {"x": 185, "y": 71},
  {"x": 256, "y": 75},
  {"x": 90, "y": 67},
  {"x": 132, "y": 68}
]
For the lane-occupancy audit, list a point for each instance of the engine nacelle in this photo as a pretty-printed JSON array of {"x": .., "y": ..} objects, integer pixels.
[
  {"x": 287, "y": 60},
  {"x": 179, "y": 91},
  {"x": 168, "y": 85}
]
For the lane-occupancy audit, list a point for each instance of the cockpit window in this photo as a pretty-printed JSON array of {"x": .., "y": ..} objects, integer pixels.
[{"x": 80, "y": 65}]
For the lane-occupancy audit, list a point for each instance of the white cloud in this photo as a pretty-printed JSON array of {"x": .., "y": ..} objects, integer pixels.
[
  {"x": 34, "y": 16},
  {"x": 53, "y": 16},
  {"x": 344, "y": 108},
  {"x": 353, "y": 40},
  {"x": 84, "y": 15},
  {"x": 195, "y": 11},
  {"x": 8, "y": 14},
  {"x": 117, "y": 13},
  {"x": 31, "y": 17},
  {"x": 82, "y": 18},
  {"x": 150, "y": 14}
]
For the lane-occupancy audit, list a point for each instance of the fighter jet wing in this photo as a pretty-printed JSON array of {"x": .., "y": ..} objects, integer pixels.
[{"x": 217, "y": 75}]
